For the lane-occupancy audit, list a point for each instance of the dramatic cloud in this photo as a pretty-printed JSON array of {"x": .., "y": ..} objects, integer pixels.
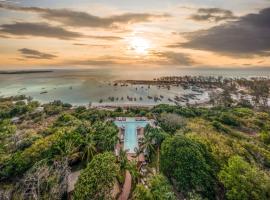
[
  {"x": 159, "y": 58},
  {"x": 31, "y": 53},
  {"x": 84, "y": 19},
  {"x": 248, "y": 36},
  {"x": 38, "y": 29},
  {"x": 174, "y": 58},
  {"x": 212, "y": 15}
]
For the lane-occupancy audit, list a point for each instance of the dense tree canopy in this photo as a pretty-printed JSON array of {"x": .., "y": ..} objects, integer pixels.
[
  {"x": 48, "y": 147},
  {"x": 219, "y": 152},
  {"x": 188, "y": 165},
  {"x": 97, "y": 179},
  {"x": 159, "y": 189},
  {"x": 244, "y": 181},
  {"x": 141, "y": 193},
  {"x": 105, "y": 135}
]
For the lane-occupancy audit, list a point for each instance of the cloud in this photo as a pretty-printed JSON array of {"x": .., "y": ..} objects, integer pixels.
[
  {"x": 45, "y": 30},
  {"x": 92, "y": 45},
  {"x": 105, "y": 37},
  {"x": 3, "y": 36},
  {"x": 84, "y": 19},
  {"x": 213, "y": 15},
  {"x": 92, "y": 62},
  {"x": 173, "y": 58},
  {"x": 38, "y": 29},
  {"x": 80, "y": 44},
  {"x": 31, "y": 53},
  {"x": 101, "y": 60},
  {"x": 248, "y": 36},
  {"x": 154, "y": 58}
]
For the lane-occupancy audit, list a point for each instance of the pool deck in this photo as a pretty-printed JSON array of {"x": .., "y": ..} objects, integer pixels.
[{"x": 130, "y": 130}]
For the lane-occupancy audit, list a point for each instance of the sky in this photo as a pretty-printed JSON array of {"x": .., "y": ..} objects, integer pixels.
[{"x": 129, "y": 33}]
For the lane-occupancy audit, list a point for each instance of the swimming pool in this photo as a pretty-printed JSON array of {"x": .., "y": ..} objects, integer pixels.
[{"x": 130, "y": 139}]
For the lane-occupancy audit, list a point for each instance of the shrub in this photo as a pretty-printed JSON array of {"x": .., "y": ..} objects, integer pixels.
[
  {"x": 244, "y": 181},
  {"x": 105, "y": 135},
  {"x": 48, "y": 147},
  {"x": 188, "y": 164},
  {"x": 265, "y": 137},
  {"x": 97, "y": 179},
  {"x": 243, "y": 112},
  {"x": 141, "y": 193},
  {"x": 161, "y": 189},
  {"x": 66, "y": 120},
  {"x": 171, "y": 122},
  {"x": 229, "y": 119},
  {"x": 220, "y": 127}
]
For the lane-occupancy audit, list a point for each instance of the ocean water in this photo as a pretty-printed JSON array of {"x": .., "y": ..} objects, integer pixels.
[{"x": 79, "y": 87}]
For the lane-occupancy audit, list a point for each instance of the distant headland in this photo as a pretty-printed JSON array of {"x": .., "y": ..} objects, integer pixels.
[{"x": 26, "y": 72}]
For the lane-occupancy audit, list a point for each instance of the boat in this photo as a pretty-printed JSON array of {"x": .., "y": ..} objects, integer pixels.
[{"x": 44, "y": 92}]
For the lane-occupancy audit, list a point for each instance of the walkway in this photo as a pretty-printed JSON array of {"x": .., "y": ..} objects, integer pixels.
[{"x": 127, "y": 187}]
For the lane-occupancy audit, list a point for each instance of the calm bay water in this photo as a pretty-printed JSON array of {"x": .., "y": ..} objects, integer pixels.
[{"x": 80, "y": 87}]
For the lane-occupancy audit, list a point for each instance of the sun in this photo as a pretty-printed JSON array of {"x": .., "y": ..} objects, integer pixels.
[{"x": 139, "y": 45}]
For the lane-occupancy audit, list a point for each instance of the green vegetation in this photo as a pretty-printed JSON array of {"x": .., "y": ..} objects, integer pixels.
[
  {"x": 265, "y": 137},
  {"x": 189, "y": 165},
  {"x": 97, "y": 179},
  {"x": 244, "y": 181},
  {"x": 192, "y": 153},
  {"x": 55, "y": 107},
  {"x": 141, "y": 193},
  {"x": 7, "y": 131},
  {"x": 14, "y": 106},
  {"x": 160, "y": 189},
  {"x": 47, "y": 147},
  {"x": 105, "y": 136},
  {"x": 153, "y": 139},
  {"x": 171, "y": 122}
]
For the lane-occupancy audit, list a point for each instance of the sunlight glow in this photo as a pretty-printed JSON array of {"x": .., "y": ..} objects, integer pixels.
[{"x": 139, "y": 45}]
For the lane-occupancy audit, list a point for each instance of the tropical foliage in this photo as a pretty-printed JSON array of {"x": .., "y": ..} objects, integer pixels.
[
  {"x": 244, "y": 181},
  {"x": 97, "y": 179},
  {"x": 189, "y": 165},
  {"x": 193, "y": 153},
  {"x": 159, "y": 189}
]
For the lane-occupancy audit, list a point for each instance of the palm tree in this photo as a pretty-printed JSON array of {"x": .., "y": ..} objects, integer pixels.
[
  {"x": 147, "y": 144},
  {"x": 153, "y": 140},
  {"x": 133, "y": 170},
  {"x": 138, "y": 151},
  {"x": 123, "y": 161},
  {"x": 67, "y": 148},
  {"x": 90, "y": 147}
]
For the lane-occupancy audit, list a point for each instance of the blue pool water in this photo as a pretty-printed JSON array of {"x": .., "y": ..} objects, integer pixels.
[{"x": 130, "y": 139}]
